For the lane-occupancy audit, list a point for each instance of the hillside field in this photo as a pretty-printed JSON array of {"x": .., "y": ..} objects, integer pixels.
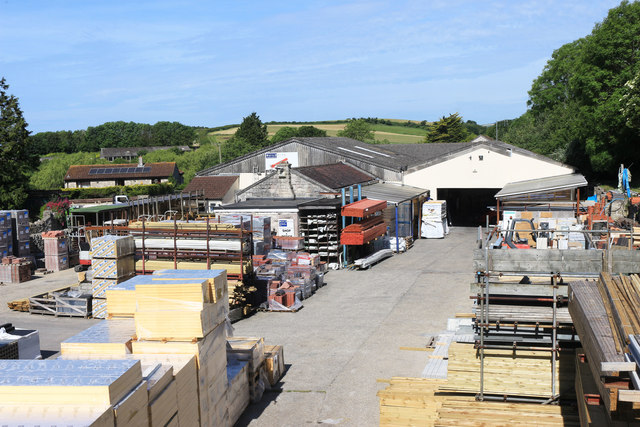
[{"x": 394, "y": 134}]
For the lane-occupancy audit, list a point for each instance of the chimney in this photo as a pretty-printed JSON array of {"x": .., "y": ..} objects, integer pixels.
[{"x": 140, "y": 164}]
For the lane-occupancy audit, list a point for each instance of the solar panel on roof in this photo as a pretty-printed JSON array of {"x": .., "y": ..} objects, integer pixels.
[
  {"x": 145, "y": 170},
  {"x": 100, "y": 171},
  {"x": 109, "y": 170},
  {"x": 93, "y": 171},
  {"x": 131, "y": 170}
]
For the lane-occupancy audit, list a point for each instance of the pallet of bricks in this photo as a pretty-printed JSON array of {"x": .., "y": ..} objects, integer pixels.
[
  {"x": 56, "y": 250},
  {"x": 112, "y": 262},
  {"x": 288, "y": 278},
  {"x": 15, "y": 270},
  {"x": 159, "y": 360},
  {"x": 606, "y": 314}
]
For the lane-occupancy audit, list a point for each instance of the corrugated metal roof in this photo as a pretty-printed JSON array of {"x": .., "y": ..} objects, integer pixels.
[
  {"x": 335, "y": 175},
  {"x": 392, "y": 193},
  {"x": 551, "y": 183}
]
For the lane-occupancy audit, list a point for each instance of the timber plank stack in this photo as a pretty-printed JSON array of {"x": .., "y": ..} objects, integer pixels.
[
  {"x": 424, "y": 402},
  {"x": 523, "y": 373},
  {"x": 606, "y": 314}
]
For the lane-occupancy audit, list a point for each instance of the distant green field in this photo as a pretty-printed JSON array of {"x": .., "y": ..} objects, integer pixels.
[{"x": 393, "y": 134}]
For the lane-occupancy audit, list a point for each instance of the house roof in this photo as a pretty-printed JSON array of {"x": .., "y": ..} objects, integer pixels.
[
  {"x": 542, "y": 185},
  {"x": 110, "y": 172},
  {"x": 396, "y": 157},
  {"x": 335, "y": 175},
  {"x": 133, "y": 151},
  {"x": 214, "y": 187}
]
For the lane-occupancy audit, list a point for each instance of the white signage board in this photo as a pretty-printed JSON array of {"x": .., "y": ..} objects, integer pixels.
[
  {"x": 271, "y": 160},
  {"x": 285, "y": 227}
]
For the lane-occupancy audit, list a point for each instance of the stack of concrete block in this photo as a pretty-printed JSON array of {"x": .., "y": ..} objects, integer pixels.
[
  {"x": 112, "y": 263},
  {"x": 56, "y": 250},
  {"x": 6, "y": 234},
  {"x": 21, "y": 232}
]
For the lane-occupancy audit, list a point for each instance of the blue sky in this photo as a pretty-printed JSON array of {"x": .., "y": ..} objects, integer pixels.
[{"x": 75, "y": 64}]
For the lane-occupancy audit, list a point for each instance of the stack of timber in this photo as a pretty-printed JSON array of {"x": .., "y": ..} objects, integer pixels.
[
  {"x": 606, "y": 314},
  {"x": 508, "y": 373},
  {"x": 112, "y": 262},
  {"x": 421, "y": 401},
  {"x": 191, "y": 242}
]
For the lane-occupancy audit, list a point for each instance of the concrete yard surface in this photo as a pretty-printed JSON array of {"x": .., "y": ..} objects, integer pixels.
[
  {"x": 52, "y": 330},
  {"x": 350, "y": 332},
  {"x": 347, "y": 335}
]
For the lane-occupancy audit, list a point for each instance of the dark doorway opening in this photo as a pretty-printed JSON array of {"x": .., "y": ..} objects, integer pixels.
[{"x": 468, "y": 206}]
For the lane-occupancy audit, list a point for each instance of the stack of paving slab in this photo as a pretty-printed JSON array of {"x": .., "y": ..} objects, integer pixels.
[
  {"x": 112, "y": 263},
  {"x": 56, "y": 250},
  {"x": 6, "y": 234}
]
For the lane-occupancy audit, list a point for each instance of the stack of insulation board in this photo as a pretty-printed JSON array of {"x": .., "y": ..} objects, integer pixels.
[
  {"x": 181, "y": 312},
  {"x": 72, "y": 392},
  {"x": 250, "y": 350},
  {"x": 238, "y": 389},
  {"x": 56, "y": 250},
  {"x": 6, "y": 234},
  {"x": 112, "y": 263},
  {"x": 21, "y": 232},
  {"x": 184, "y": 312}
]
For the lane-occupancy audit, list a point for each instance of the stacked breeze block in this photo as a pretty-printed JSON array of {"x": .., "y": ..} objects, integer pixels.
[
  {"x": 56, "y": 251},
  {"x": 6, "y": 234},
  {"x": 21, "y": 231},
  {"x": 112, "y": 262}
]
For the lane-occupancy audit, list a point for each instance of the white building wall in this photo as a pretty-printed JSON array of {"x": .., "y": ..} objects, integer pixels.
[{"x": 493, "y": 171}]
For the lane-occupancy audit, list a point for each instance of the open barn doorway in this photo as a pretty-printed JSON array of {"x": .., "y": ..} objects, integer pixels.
[{"x": 468, "y": 206}]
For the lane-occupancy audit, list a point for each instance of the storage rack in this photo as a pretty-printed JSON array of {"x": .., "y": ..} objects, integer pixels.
[
  {"x": 542, "y": 335},
  {"x": 320, "y": 227},
  {"x": 174, "y": 233}
]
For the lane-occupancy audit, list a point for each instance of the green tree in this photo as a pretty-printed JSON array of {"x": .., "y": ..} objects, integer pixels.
[
  {"x": 311, "y": 132},
  {"x": 447, "y": 129},
  {"x": 16, "y": 158},
  {"x": 358, "y": 129},
  {"x": 631, "y": 103},
  {"x": 50, "y": 173},
  {"x": 252, "y": 131},
  {"x": 287, "y": 132},
  {"x": 581, "y": 92},
  {"x": 284, "y": 133}
]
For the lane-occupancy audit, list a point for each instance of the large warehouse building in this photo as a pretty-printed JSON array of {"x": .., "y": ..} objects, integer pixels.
[{"x": 467, "y": 174}]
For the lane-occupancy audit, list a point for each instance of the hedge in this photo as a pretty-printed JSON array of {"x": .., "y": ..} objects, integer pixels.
[{"x": 129, "y": 190}]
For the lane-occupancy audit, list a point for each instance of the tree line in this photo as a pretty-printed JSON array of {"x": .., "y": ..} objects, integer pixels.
[
  {"x": 584, "y": 108},
  {"x": 113, "y": 134}
]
